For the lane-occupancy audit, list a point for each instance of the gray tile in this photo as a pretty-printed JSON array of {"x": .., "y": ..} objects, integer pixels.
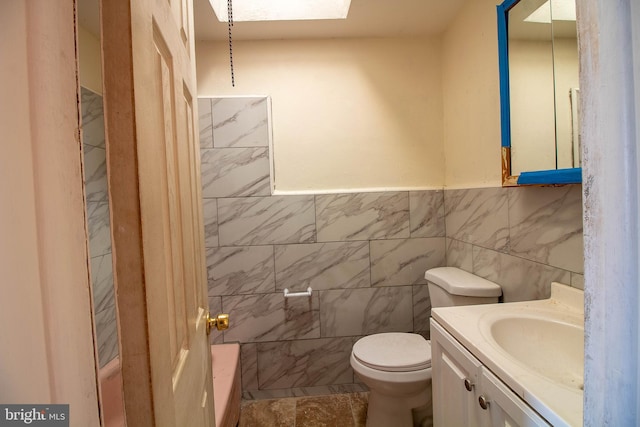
[
  {"x": 249, "y": 364},
  {"x": 99, "y": 228},
  {"x": 240, "y": 270},
  {"x": 240, "y": 122},
  {"x": 426, "y": 211},
  {"x": 210, "y": 219},
  {"x": 304, "y": 363},
  {"x": 106, "y": 335},
  {"x": 205, "y": 123},
  {"x": 102, "y": 282},
  {"x": 421, "y": 308},
  {"x": 460, "y": 254},
  {"x": 546, "y": 225},
  {"x": 403, "y": 261},
  {"x": 577, "y": 281},
  {"x": 362, "y": 216},
  {"x": 271, "y": 317},
  {"x": 92, "y": 118},
  {"x": 235, "y": 172},
  {"x": 366, "y": 311},
  {"x": 478, "y": 216},
  {"x": 266, "y": 220},
  {"x": 322, "y": 266},
  {"x": 215, "y": 308},
  {"x": 95, "y": 174},
  {"x": 520, "y": 279}
]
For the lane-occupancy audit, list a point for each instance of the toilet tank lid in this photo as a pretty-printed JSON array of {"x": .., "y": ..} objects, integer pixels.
[{"x": 460, "y": 282}]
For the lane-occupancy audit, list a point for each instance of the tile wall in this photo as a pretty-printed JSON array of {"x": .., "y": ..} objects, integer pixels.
[
  {"x": 364, "y": 254},
  {"x": 521, "y": 238},
  {"x": 95, "y": 171}
]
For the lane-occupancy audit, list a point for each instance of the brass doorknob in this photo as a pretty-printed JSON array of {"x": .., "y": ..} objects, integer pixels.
[{"x": 220, "y": 322}]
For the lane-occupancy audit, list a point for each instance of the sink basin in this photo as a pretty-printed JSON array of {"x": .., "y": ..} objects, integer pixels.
[
  {"x": 551, "y": 348},
  {"x": 536, "y": 348}
]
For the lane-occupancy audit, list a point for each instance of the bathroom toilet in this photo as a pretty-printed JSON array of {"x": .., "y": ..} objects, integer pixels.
[{"x": 396, "y": 366}]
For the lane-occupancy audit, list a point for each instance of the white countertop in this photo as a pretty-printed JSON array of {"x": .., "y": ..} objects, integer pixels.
[{"x": 559, "y": 404}]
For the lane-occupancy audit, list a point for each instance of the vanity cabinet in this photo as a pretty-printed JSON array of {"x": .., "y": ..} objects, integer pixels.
[{"x": 466, "y": 393}]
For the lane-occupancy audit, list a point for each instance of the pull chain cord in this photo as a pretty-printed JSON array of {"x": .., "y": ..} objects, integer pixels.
[{"x": 230, "y": 21}]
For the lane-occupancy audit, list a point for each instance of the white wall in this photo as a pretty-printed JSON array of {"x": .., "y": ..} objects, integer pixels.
[
  {"x": 610, "y": 101},
  {"x": 19, "y": 246},
  {"x": 472, "y": 98},
  {"x": 347, "y": 113},
  {"x": 45, "y": 311}
]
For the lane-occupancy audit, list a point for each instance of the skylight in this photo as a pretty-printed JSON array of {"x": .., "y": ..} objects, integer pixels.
[
  {"x": 561, "y": 10},
  {"x": 281, "y": 10}
]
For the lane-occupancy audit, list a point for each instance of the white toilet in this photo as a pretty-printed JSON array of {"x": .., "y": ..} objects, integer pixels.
[{"x": 396, "y": 366}]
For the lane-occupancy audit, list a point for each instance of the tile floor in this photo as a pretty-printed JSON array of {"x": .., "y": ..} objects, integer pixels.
[{"x": 336, "y": 410}]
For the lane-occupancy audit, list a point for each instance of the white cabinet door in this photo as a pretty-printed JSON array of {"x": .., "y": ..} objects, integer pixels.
[
  {"x": 453, "y": 404},
  {"x": 504, "y": 406}
]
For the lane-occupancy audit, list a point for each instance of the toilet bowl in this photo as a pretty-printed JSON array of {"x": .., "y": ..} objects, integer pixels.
[
  {"x": 397, "y": 380},
  {"x": 396, "y": 366}
]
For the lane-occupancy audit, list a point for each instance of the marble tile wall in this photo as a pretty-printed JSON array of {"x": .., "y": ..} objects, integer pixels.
[
  {"x": 521, "y": 238},
  {"x": 95, "y": 171},
  {"x": 364, "y": 255}
]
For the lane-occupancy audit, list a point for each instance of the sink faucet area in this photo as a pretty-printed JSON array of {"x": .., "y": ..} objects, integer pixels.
[{"x": 536, "y": 348}]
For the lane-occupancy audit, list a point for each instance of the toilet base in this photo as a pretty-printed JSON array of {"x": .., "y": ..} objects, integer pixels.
[{"x": 384, "y": 410}]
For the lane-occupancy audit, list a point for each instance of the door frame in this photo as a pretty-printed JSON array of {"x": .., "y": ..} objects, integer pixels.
[{"x": 46, "y": 310}]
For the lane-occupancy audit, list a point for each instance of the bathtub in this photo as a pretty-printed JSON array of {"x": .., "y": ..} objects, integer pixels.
[
  {"x": 225, "y": 364},
  {"x": 111, "y": 394}
]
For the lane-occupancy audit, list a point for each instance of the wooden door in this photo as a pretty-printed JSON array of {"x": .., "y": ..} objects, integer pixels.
[{"x": 156, "y": 208}]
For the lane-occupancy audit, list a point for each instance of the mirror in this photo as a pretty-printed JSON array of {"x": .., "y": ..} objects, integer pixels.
[{"x": 538, "y": 50}]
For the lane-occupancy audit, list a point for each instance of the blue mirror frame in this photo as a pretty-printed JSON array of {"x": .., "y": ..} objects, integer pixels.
[{"x": 545, "y": 177}]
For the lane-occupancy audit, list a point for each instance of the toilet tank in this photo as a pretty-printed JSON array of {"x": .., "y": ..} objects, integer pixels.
[{"x": 450, "y": 286}]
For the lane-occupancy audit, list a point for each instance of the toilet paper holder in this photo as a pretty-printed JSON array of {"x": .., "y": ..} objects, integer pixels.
[{"x": 306, "y": 293}]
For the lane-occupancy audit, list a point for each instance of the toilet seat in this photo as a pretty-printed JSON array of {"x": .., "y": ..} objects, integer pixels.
[{"x": 393, "y": 352}]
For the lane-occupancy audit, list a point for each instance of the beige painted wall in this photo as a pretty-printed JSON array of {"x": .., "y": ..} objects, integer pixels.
[
  {"x": 347, "y": 113},
  {"x": 362, "y": 114},
  {"x": 90, "y": 64},
  {"x": 472, "y": 97}
]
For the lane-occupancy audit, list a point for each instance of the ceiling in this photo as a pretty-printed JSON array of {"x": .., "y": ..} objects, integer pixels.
[{"x": 367, "y": 18}]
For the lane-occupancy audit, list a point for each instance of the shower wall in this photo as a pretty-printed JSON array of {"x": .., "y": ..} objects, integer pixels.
[{"x": 97, "y": 197}]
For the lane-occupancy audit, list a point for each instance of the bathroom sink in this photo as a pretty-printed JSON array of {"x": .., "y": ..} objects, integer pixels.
[
  {"x": 534, "y": 347},
  {"x": 551, "y": 348}
]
